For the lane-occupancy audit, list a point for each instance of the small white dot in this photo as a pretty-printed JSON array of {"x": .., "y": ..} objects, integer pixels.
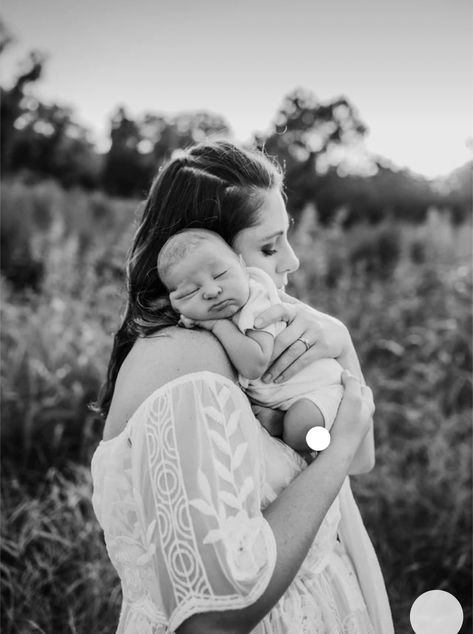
[
  {"x": 436, "y": 612},
  {"x": 318, "y": 438}
]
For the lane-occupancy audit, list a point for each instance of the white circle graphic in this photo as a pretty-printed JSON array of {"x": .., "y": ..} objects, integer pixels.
[
  {"x": 318, "y": 438},
  {"x": 436, "y": 612}
]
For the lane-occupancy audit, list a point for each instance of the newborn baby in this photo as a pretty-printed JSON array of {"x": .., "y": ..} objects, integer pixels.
[{"x": 210, "y": 287}]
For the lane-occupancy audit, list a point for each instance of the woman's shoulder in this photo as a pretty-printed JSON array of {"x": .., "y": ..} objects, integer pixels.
[
  {"x": 156, "y": 360},
  {"x": 177, "y": 351}
]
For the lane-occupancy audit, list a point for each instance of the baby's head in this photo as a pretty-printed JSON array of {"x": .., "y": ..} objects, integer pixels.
[{"x": 205, "y": 278}]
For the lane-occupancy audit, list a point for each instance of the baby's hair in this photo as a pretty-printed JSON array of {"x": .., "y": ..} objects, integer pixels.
[{"x": 180, "y": 245}]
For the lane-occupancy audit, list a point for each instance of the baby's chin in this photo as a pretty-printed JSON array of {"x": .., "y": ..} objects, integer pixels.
[{"x": 225, "y": 313}]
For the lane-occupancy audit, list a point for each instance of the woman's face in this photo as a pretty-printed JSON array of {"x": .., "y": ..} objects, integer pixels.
[{"x": 265, "y": 245}]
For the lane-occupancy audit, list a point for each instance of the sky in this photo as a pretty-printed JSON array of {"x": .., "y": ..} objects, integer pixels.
[{"x": 406, "y": 65}]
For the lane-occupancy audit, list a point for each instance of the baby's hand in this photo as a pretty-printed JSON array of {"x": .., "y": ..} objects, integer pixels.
[
  {"x": 187, "y": 323},
  {"x": 207, "y": 324}
]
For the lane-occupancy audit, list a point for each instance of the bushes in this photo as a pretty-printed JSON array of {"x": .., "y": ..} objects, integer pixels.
[
  {"x": 42, "y": 221},
  {"x": 54, "y": 563},
  {"x": 410, "y": 319}
]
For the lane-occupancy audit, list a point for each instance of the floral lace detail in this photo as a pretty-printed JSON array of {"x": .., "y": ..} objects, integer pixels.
[{"x": 181, "y": 511}]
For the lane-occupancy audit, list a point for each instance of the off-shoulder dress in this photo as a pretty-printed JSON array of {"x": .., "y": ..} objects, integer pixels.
[{"x": 179, "y": 494}]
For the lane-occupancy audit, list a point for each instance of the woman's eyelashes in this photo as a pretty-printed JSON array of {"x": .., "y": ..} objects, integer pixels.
[{"x": 267, "y": 250}]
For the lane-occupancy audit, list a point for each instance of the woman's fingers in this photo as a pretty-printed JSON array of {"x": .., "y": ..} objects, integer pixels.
[
  {"x": 294, "y": 349},
  {"x": 356, "y": 408},
  {"x": 286, "y": 338},
  {"x": 350, "y": 382},
  {"x": 368, "y": 400},
  {"x": 294, "y": 358}
]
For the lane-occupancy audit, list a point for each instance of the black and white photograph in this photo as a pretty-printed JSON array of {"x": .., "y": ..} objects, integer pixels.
[{"x": 204, "y": 206}]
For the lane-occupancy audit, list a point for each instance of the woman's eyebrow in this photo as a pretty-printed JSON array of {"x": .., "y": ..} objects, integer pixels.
[{"x": 273, "y": 235}]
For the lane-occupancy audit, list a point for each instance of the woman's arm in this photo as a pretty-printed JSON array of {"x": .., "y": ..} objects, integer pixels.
[
  {"x": 295, "y": 517},
  {"x": 297, "y": 513}
]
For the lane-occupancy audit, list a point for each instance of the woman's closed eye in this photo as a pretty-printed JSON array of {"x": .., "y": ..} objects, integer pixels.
[{"x": 268, "y": 250}]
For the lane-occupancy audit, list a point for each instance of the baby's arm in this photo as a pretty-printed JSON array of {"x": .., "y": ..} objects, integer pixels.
[{"x": 250, "y": 352}]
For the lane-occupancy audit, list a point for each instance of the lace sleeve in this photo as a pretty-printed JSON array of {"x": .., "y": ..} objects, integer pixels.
[{"x": 196, "y": 473}]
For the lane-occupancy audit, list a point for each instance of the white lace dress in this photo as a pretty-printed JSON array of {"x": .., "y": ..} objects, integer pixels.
[{"x": 179, "y": 495}]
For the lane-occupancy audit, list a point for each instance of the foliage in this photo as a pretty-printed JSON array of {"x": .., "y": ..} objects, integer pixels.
[
  {"x": 54, "y": 563},
  {"x": 44, "y": 226},
  {"x": 302, "y": 137},
  {"x": 319, "y": 144},
  {"x": 407, "y": 303},
  {"x": 44, "y": 139},
  {"x": 138, "y": 148}
]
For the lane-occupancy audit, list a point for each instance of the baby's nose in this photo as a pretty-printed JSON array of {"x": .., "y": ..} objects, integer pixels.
[{"x": 212, "y": 291}]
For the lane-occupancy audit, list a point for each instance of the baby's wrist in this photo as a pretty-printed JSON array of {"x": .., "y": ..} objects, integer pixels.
[{"x": 216, "y": 327}]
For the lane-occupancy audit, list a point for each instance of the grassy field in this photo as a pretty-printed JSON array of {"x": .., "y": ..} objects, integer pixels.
[{"x": 405, "y": 293}]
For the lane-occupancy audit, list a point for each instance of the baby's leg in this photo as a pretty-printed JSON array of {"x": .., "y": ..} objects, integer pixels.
[{"x": 299, "y": 418}]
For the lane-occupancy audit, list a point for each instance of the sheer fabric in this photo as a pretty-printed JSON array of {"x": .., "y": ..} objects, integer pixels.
[{"x": 179, "y": 495}]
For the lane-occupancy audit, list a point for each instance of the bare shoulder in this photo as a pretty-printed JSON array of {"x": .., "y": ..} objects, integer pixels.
[
  {"x": 154, "y": 361},
  {"x": 183, "y": 351}
]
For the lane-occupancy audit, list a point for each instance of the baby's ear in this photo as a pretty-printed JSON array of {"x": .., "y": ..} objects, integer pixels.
[{"x": 242, "y": 261}]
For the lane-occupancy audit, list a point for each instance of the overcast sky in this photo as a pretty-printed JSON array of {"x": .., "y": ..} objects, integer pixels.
[{"x": 405, "y": 64}]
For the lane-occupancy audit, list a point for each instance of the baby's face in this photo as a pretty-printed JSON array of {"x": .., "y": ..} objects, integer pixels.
[{"x": 209, "y": 283}]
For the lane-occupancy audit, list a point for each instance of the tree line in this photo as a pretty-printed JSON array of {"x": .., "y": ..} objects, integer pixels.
[{"x": 320, "y": 146}]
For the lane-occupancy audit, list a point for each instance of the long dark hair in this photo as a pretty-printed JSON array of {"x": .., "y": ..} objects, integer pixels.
[{"x": 216, "y": 186}]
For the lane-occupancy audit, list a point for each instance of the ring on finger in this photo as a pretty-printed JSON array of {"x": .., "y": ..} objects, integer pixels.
[{"x": 305, "y": 342}]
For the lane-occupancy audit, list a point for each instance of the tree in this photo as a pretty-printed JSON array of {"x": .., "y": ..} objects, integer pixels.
[
  {"x": 139, "y": 147},
  {"x": 50, "y": 143},
  {"x": 303, "y": 136},
  {"x": 40, "y": 138},
  {"x": 12, "y": 100},
  {"x": 125, "y": 172}
]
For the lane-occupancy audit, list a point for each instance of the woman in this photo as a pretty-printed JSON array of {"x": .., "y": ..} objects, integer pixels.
[{"x": 213, "y": 524}]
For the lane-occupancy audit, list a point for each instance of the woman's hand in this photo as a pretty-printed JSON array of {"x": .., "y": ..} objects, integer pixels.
[
  {"x": 356, "y": 410},
  {"x": 310, "y": 335}
]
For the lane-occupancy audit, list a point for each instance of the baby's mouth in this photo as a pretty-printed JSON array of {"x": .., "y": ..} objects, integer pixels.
[{"x": 221, "y": 305}]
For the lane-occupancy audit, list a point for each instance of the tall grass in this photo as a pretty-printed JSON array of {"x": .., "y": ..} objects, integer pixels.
[{"x": 404, "y": 292}]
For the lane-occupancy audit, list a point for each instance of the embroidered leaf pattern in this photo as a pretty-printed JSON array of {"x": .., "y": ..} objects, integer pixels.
[
  {"x": 214, "y": 413},
  {"x": 246, "y": 489},
  {"x": 232, "y": 424},
  {"x": 223, "y": 472},
  {"x": 213, "y": 536},
  {"x": 230, "y": 500},
  {"x": 223, "y": 396},
  {"x": 202, "y": 506},
  {"x": 239, "y": 454},
  {"x": 219, "y": 441},
  {"x": 150, "y": 531},
  {"x": 204, "y": 485}
]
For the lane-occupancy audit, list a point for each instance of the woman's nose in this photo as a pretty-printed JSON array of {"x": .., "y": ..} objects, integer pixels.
[
  {"x": 211, "y": 291},
  {"x": 290, "y": 261}
]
